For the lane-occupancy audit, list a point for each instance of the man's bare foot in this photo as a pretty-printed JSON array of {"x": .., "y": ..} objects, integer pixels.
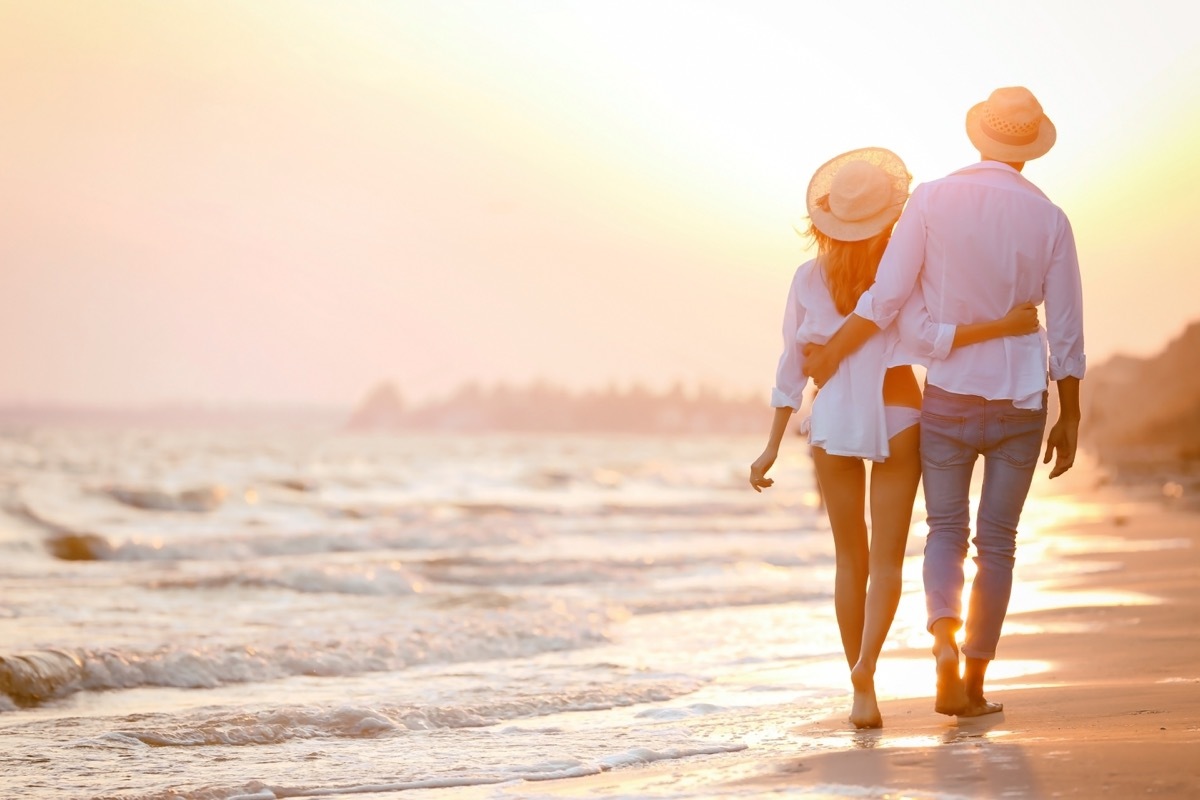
[
  {"x": 951, "y": 692},
  {"x": 978, "y": 707},
  {"x": 973, "y": 677},
  {"x": 865, "y": 711}
]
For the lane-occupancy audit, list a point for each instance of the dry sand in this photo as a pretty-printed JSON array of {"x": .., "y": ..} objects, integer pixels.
[{"x": 1117, "y": 714}]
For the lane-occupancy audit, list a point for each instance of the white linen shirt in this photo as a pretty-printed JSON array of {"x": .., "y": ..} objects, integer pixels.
[
  {"x": 847, "y": 414},
  {"x": 973, "y": 245}
]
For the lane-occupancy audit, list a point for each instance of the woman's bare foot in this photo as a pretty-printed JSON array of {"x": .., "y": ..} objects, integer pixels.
[
  {"x": 865, "y": 711},
  {"x": 951, "y": 692}
]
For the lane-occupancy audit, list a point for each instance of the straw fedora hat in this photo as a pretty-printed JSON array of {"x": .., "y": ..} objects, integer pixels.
[
  {"x": 1010, "y": 126},
  {"x": 858, "y": 194}
]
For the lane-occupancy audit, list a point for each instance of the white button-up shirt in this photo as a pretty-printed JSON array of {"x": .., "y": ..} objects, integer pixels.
[
  {"x": 847, "y": 414},
  {"x": 973, "y": 245}
]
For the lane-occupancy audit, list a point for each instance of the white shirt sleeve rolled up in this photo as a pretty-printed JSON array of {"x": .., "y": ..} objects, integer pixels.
[
  {"x": 898, "y": 270},
  {"x": 920, "y": 334},
  {"x": 1064, "y": 308},
  {"x": 790, "y": 380}
]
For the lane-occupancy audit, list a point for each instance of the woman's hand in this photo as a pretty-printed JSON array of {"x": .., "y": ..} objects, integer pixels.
[
  {"x": 1021, "y": 320},
  {"x": 758, "y": 470}
]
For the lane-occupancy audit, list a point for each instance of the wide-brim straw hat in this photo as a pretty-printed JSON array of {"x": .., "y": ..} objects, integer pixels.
[
  {"x": 1010, "y": 126},
  {"x": 858, "y": 194}
]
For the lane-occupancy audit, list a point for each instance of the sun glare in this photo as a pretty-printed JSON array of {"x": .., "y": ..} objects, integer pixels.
[{"x": 531, "y": 165}]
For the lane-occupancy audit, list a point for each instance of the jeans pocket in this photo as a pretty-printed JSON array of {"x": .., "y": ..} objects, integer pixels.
[
  {"x": 942, "y": 439},
  {"x": 1021, "y": 436}
]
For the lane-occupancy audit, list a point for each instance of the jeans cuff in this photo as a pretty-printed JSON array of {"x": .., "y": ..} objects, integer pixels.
[
  {"x": 971, "y": 652},
  {"x": 941, "y": 613}
]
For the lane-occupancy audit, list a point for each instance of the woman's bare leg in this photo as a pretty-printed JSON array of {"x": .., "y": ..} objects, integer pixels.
[
  {"x": 893, "y": 490},
  {"x": 843, "y": 485}
]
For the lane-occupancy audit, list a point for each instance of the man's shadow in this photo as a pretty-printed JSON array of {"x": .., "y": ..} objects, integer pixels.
[{"x": 968, "y": 756}]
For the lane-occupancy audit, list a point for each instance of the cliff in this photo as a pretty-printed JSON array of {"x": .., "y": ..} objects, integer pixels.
[{"x": 1142, "y": 415}]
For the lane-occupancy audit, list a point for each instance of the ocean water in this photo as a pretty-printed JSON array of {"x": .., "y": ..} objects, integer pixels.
[{"x": 288, "y": 613}]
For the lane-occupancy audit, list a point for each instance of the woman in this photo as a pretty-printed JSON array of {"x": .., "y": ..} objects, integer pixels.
[{"x": 870, "y": 409}]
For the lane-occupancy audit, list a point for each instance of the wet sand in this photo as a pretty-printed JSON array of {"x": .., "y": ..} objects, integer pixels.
[{"x": 1116, "y": 714}]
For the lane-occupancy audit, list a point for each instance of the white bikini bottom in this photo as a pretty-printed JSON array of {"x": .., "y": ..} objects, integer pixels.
[{"x": 900, "y": 418}]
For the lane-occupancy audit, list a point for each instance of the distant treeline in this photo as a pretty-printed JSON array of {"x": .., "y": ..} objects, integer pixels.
[{"x": 542, "y": 407}]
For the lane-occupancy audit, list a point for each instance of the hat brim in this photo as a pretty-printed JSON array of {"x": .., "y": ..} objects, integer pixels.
[
  {"x": 846, "y": 231},
  {"x": 1000, "y": 151}
]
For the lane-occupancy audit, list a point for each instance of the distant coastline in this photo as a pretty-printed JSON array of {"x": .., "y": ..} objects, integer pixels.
[
  {"x": 501, "y": 408},
  {"x": 170, "y": 416},
  {"x": 1141, "y": 416},
  {"x": 545, "y": 408}
]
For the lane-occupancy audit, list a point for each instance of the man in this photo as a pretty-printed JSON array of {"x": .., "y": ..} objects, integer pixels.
[{"x": 976, "y": 243}]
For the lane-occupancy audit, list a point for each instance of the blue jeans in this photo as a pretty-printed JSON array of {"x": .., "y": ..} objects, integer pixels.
[{"x": 955, "y": 430}]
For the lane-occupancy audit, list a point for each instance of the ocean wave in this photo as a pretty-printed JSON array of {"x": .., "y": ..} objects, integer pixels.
[
  {"x": 391, "y": 579},
  {"x": 63, "y": 542},
  {"x": 275, "y": 725},
  {"x": 731, "y": 597},
  {"x": 72, "y": 546},
  {"x": 451, "y": 582},
  {"x": 197, "y": 500},
  {"x": 474, "y": 571},
  {"x": 71, "y": 543},
  {"x": 34, "y": 677},
  {"x": 550, "y": 769}
]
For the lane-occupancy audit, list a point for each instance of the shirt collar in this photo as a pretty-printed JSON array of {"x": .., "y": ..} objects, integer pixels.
[
  {"x": 987, "y": 165},
  {"x": 996, "y": 168}
]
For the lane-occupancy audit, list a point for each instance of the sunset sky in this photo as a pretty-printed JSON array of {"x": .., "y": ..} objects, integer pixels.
[{"x": 280, "y": 201}]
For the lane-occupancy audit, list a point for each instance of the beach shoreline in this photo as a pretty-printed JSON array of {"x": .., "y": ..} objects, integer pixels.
[
  {"x": 1115, "y": 712},
  {"x": 543, "y": 632}
]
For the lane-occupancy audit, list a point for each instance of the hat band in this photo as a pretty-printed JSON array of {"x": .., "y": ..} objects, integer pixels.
[{"x": 1008, "y": 138}]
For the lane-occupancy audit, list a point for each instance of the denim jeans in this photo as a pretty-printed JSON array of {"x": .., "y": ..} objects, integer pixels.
[{"x": 955, "y": 430}]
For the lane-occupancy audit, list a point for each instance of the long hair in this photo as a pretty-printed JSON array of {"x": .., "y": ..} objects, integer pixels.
[{"x": 849, "y": 267}]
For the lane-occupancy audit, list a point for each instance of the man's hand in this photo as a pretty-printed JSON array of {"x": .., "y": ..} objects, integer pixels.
[
  {"x": 1063, "y": 439},
  {"x": 819, "y": 363}
]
